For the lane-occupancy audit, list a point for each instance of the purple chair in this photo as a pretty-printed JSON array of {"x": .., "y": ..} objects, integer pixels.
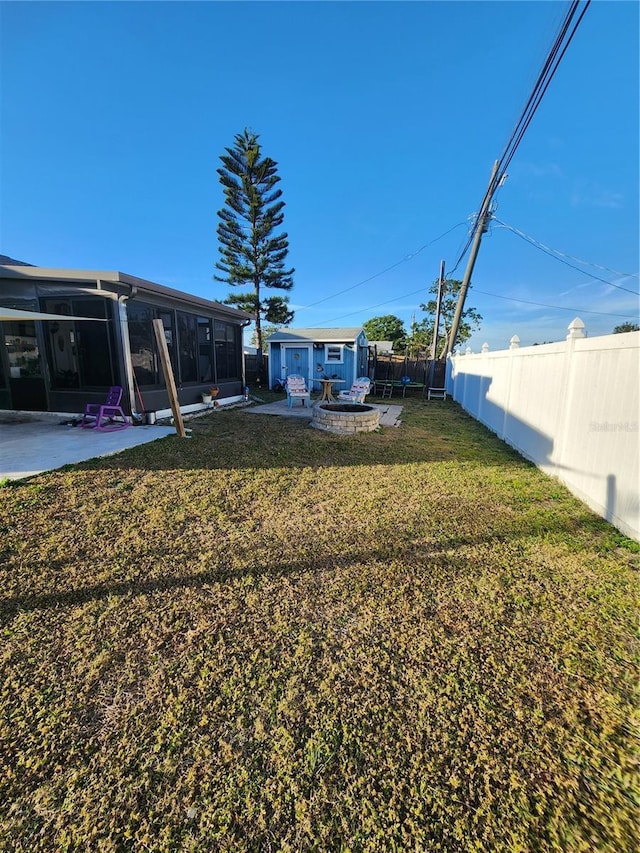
[{"x": 97, "y": 413}]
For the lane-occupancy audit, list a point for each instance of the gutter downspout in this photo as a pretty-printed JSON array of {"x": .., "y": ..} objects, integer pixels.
[
  {"x": 126, "y": 346},
  {"x": 123, "y": 326},
  {"x": 244, "y": 372}
]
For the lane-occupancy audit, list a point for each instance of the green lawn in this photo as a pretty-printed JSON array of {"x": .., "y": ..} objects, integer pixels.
[{"x": 270, "y": 638}]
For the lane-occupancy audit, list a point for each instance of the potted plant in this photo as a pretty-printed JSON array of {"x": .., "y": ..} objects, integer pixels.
[{"x": 208, "y": 395}]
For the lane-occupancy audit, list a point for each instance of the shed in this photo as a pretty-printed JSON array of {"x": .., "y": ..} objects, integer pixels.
[
  {"x": 317, "y": 354},
  {"x": 59, "y": 365}
]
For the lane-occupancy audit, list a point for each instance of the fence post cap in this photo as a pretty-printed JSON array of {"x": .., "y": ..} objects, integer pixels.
[
  {"x": 514, "y": 343},
  {"x": 576, "y": 328}
]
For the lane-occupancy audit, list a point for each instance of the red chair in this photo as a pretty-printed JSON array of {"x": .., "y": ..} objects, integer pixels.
[{"x": 96, "y": 413}]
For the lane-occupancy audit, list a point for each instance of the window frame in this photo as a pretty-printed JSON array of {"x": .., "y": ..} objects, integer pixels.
[
  {"x": 234, "y": 352},
  {"x": 188, "y": 347},
  {"x": 340, "y": 348},
  {"x": 87, "y": 346}
]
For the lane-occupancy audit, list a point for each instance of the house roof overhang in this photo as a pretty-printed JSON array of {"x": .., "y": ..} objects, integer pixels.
[
  {"x": 14, "y": 314},
  {"x": 320, "y": 336},
  {"x": 112, "y": 282}
]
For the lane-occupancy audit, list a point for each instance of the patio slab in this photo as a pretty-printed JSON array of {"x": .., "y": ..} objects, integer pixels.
[
  {"x": 31, "y": 448},
  {"x": 389, "y": 415}
]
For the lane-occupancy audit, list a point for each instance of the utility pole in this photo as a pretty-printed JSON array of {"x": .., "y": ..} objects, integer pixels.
[
  {"x": 481, "y": 226},
  {"x": 436, "y": 325}
]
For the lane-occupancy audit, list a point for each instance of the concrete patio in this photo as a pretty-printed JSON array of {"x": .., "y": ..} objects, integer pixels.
[
  {"x": 33, "y": 446},
  {"x": 31, "y": 443}
]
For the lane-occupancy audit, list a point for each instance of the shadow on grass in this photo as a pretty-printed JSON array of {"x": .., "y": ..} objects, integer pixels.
[{"x": 389, "y": 545}]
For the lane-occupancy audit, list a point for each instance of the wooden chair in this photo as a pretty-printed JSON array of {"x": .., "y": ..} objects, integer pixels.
[
  {"x": 357, "y": 392},
  {"x": 100, "y": 416},
  {"x": 296, "y": 389}
]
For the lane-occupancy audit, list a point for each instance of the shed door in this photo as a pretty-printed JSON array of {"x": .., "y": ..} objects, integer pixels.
[{"x": 296, "y": 360}]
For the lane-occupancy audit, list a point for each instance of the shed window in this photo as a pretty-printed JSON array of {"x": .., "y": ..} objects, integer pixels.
[{"x": 333, "y": 353}]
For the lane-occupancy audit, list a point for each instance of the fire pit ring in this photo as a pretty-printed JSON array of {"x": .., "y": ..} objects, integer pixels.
[{"x": 345, "y": 418}]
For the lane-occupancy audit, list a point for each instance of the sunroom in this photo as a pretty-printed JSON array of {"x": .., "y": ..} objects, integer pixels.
[{"x": 60, "y": 365}]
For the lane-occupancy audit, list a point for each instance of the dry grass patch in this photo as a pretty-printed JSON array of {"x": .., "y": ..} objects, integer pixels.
[{"x": 272, "y": 638}]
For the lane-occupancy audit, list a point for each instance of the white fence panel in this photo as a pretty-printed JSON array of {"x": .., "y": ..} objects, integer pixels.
[{"x": 572, "y": 408}]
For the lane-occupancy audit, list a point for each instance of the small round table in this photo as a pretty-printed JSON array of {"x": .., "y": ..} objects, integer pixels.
[{"x": 327, "y": 389}]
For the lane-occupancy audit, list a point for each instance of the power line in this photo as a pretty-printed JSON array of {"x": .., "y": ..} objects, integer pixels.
[
  {"x": 545, "y": 305},
  {"x": 560, "y": 256},
  {"x": 371, "y": 307},
  {"x": 559, "y": 47},
  {"x": 483, "y": 293},
  {"x": 499, "y": 173},
  {"x": 465, "y": 249},
  {"x": 563, "y": 39},
  {"x": 408, "y": 257},
  {"x": 541, "y": 85}
]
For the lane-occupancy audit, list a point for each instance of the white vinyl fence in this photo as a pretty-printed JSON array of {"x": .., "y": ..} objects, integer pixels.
[{"x": 572, "y": 408}]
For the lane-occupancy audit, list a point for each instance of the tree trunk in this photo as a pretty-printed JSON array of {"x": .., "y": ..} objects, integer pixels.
[{"x": 259, "y": 355}]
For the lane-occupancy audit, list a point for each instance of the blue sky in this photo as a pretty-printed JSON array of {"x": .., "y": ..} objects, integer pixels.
[{"x": 385, "y": 119}]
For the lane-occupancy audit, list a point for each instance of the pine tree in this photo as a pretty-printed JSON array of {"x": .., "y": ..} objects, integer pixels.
[{"x": 251, "y": 252}]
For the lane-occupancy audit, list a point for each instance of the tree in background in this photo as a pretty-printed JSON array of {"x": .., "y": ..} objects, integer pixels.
[
  {"x": 469, "y": 322},
  {"x": 267, "y": 331},
  {"x": 626, "y": 327},
  {"x": 419, "y": 338},
  {"x": 251, "y": 251},
  {"x": 387, "y": 328}
]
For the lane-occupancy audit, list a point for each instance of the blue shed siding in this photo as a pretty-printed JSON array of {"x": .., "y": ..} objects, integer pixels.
[
  {"x": 330, "y": 368},
  {"x": 275, "y": 363},
  {"x": 354, "y": 358}
]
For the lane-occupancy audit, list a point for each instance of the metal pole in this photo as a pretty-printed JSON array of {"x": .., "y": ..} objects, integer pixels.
[
  {"x": 481, "y": 223},
  {"x": 436, "y": 325}
]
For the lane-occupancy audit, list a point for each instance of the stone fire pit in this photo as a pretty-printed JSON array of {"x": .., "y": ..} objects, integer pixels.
[{"x": 345, "y": 418}]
